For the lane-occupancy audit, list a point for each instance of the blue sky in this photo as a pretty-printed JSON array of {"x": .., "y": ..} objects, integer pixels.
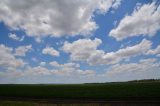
[{"x": 79, "y": 41}]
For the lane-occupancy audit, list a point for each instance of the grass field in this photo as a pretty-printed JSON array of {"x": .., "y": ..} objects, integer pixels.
[
  {"x": 91, "y": 91},
  {"x": 21, "y": 103}
]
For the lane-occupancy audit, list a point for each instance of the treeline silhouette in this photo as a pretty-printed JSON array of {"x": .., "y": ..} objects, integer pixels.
[
  {"x": 131, "y": 81},
  {"x": 146, "y": 80}
]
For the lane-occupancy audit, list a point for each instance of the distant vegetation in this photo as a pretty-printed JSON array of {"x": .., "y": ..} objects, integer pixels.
[
  {"x": 137, "y": 81},
  {"x": 146, "y": 80},
  {"x": 151, "y": 88}
]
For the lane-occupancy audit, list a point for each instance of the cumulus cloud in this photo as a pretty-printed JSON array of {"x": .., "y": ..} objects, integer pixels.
[
  {"x": 57, "y": 65},
  {"x": 86, "y": 72},
  {"x": 70, "y": 69},
  {"x": 36, "y": 71},
  {"x": 144, "y": 20},
  {"x": 155, "y": 51},
  {"x": 124, "y": 53},
  {"x": 8, "y": 60},
  {"x": 66, "y": 69},
  {"x": 42, "y": 63},
  {"x": 15, "y": 37},
  {"x": 142, "y": 66},
  {"x": 53, "y": 17},
  {"x": 82, "y": 48},
  {"x": 93, "y": 56},
  {"x": 50, "y": 51},
  {"x": 22, "y": 50},
  {"x": 54, "y": 64},
  {"x": 34, "y": 59},
  {"x": 116, "y": 4}
]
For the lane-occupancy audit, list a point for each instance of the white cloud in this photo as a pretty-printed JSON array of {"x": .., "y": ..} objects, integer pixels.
[
  {"x": 144, "y": 20},
  {"x": 93, "y": 56},
  {"x": 53, "y": 17},
  {"x": 116, "y": 4},
  {"x": 66, "y": 66},
  {"x": 35, "y": 71},
  {"x": 34, "y": 59},
  {"x": 124, "y": 53},
  {"x": 15, "y": 37},
  {"x": 86, "y": 72},
  {"x": 154, "y": 51},
  {"x": 141, "y": 67},
  {"x": 8, "y": 60},
  {"x": 50, "y": 51},
  {"x": 70, "y": 69},
  {"x": 82, "y": 48},
  {"x": 42, "y": 63},
  {"x": 22, "y": 50},
  {"x": 54, "y": 64},
  {"x": 66, "y": 69}
]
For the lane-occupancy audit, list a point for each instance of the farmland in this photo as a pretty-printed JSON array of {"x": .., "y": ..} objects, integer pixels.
[{"x": 82, "y": 91}]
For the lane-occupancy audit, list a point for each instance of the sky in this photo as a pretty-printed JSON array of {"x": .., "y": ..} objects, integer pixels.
[{"x": 79, "y": 41}]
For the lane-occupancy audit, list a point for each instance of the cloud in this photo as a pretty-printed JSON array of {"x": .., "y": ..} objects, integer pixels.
[
  {"x": 54, "y": 64},
  {"x": 15, "y": 37},
  {"x": 82, "y": 48},
  {"x": 66, "y": 65},
  {"x": 22, "y": 50},
  {"x": 124, "y": 53},
  {"x": 154, "y": 51},
  {"x": 70, "y": 69},
  {"x": 34, "y": 59},
  {"x": 50, "y": 51},
  {"x": 116, "y": 4},
  {"x": 53, "y": 17},
  {"x": 141, "y": 67},
  {"x": 86, "y": 72},
  {"x": 93, "y": 56},
  {"x": 36, "y": 71},
  {"x": 8, "y": 60},
  {"x": 144, "y": 20},
  {"x": 42, "y": 63},
  {"x": 64, "y": 69}
]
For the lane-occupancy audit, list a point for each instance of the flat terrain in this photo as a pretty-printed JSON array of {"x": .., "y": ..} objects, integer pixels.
[
  {"x": 24, "y": 103},
  {"x": 106, "y": 91}
]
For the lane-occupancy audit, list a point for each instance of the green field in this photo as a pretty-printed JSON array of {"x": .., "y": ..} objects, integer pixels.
[{"x": 91, "y": 91}]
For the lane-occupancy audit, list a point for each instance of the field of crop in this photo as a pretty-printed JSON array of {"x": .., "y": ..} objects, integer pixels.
[{"x": 91, "y": 91}]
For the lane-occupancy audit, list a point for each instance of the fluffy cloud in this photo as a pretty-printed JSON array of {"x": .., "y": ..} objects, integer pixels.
[
  {"x": 82, "y": 48},
  {"x": 50, "y": 51},
  {"x": 54, "y": 64},
  {"x": 124, "y": 53},
  {"x": 64, "y": 69},
  {"x": 15, "y": 37},
  {"x": 134, "y": 68},
  {"x": 154, "y": 51},
  {"x": 22, "y": 50},
  {"x": 53, "y": 17},
  {"x": 144, "y": 20},
  {"x": 93, "y": 56},
  {"x": 8, "y": 60},
  {"x": 86, "y": 72},
  {"x": 36, "y": 71},
  {"x": 70, "y": 69},
  {"x": 116, "y": 4},
  {"x": 66, "y": 65},
  {"x": 42, "y": 63}
]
